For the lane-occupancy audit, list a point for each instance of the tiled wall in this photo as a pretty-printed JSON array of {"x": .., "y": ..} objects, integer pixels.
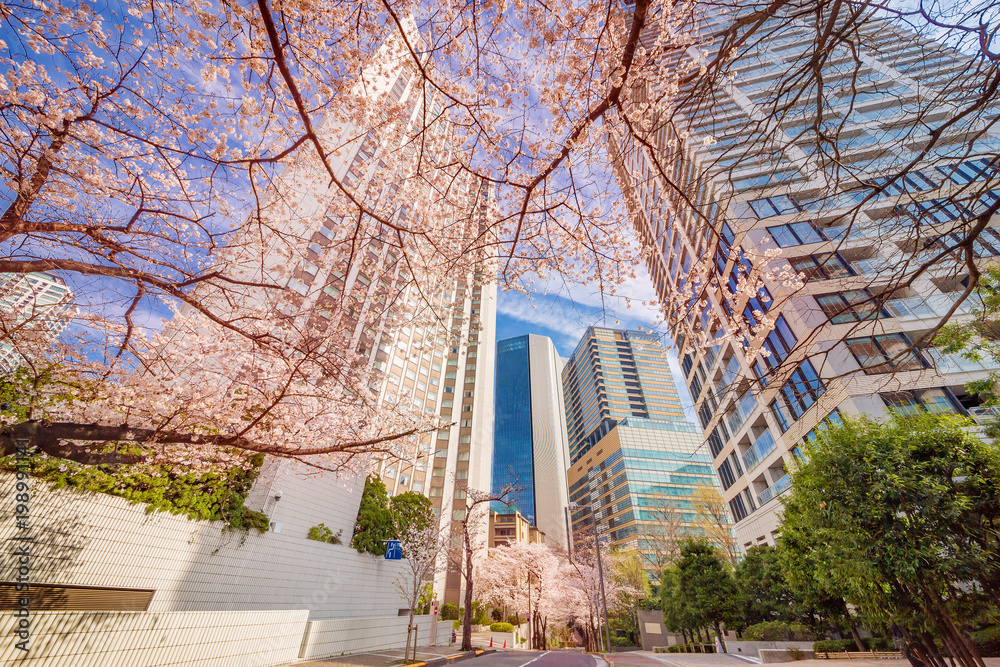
[{"x": 160, "y": 639}]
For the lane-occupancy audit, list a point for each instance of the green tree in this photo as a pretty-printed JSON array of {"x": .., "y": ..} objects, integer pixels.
[
  {"x": 763, "y": 592},
  {"x": 677, "y": 616},
  {"x": 411, "y": 512},
  {"x": 902, "y": 516},
  {"x": 374, "y": 525},
  {"x": 979, "y": 338},
  {"x": 706, "y": 584}
]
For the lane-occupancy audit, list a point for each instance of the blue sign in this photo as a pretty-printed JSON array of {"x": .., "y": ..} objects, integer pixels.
[{"x": 393, "y": 550}]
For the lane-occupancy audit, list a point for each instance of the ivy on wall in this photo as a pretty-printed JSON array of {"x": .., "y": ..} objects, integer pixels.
[{"x": 212, "y": 496}]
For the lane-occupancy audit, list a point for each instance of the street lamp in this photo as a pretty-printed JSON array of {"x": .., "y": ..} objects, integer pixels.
[{"x": 600, "y": 566}]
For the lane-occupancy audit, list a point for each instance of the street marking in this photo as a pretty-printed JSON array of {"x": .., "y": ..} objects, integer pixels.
[{"x": 525, "y": 664}]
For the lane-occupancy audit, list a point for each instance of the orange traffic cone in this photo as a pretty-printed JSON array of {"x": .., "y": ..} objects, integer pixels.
[{"x": 505, "y": 643}]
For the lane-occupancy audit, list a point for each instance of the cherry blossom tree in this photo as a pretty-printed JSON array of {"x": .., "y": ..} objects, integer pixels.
[
  {"x": 184, "y": 158},
  {"x": 421, "y": 547}
]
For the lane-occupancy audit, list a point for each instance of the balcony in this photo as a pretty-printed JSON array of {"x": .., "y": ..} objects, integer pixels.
[
  {"x": 772, "y": 491},
  {"x": 728, "y": 376},
  {"x": 936, "y": 305},
  {"x": 762, "y": 446},
  {"x": 956, "y": 363},
  {"x": 744, "y": 407},
  {"x": 983, "y": 415}
]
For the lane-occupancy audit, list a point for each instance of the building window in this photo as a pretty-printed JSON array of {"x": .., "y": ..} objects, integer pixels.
[
  {"x": 822, "y": 266},
  {"x": 885, "y": 354},
  {"x": 461, "y": 474},
  {"x": 715, "y": 442},
  {"x": 796, "y": 233},
  {"x": 418, "y": 487},
  {"x": 438, "y": 472},
  {"x": 726, "y": 475},
  {"x": 458, "y": 515},
  {"x": 769, "y": 206},
  {"x": 849, "y": 306},
  {"x": 463, "y": 456},
  {"x": 738, "y": 509},
  {"x": 437, "y": 491},
  {"x": 441, "y": 453},
  {"x": 938, "y": 400},
  {"x": 915, "y": 181},
  {"x": 969, "y": 171},
  {"x": 797, "y": 395}
]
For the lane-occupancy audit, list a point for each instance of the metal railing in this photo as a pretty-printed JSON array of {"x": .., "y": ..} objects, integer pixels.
[
  {"x": 956, "y": 363},
  {"x": 770, "y": 492},
  {"x": 744, "y": 407},
  {"x": 936, "y": 305},
  {"x": 762, "y": 446}
]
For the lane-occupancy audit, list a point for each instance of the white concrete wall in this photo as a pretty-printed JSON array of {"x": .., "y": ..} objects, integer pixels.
[
  {"x": 156, "y": 639},
  {"x": 95, "y": 539},
  {"x": 332, "y": 638}
]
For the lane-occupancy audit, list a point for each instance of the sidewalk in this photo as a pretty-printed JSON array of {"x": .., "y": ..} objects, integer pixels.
[{"x": 383, "y": 658}]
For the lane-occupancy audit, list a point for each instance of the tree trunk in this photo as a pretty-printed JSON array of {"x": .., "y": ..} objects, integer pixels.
[
  {"x": 718, "y": 633},
  {"x": 699, "y": 634},
  {"x": 467, "y": 622}
]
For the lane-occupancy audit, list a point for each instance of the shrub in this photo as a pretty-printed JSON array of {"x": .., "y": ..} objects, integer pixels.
[
  {"x": 501, "y": 627},
  {"x": 675, "y": 648},
  {"x": 987, "y": 641},
  {"x": 880, "y": 644},
  {"x": 456, "y": 624},
  {"x": 449, "y": 611},
  {"x": 322, "y": 533},
  {"x": 621, "y": 641},
  {"x": 834, "y": 645},
  {"x": 777, "y": 631}
]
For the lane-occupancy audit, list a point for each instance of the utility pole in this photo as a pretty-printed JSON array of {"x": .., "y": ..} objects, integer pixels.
[
  {"x": 600, "y": 574},
  {"x": 569, "y": 538}
]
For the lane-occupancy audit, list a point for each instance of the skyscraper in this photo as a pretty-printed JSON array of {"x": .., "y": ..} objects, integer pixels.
[
  {"x": 612, "y": 375},
  {"x": 635, "y": 458},
  {"x": 873, "y": 223},
  {"x": 34, "y": 308},
  {"x": 529, "y": 435}
]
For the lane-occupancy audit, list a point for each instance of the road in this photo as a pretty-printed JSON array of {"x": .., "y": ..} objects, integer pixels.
[{"x": 535, "y": 659}]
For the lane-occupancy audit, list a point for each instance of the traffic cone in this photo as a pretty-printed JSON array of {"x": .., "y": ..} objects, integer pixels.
[
  {"x": 505, "y": 643},
  {"x": 491, "y": 642}
]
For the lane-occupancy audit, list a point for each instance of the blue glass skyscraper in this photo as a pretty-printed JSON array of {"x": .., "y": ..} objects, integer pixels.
[{"x": 529, "y": 436}]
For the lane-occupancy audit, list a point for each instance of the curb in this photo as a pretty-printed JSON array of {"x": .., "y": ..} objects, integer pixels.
[{"x": 447, "y": 660}]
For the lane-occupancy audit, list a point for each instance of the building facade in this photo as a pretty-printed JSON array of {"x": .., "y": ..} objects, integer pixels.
[
  {"x": 636, "y": 459},
  {"x": 529, "y": 437},
  {"x": 510, "y": 526},
  {"x": 869, "y": 253},
  {"x": 614, "y": 374},
  {"x": 636, "y": 482},
  {"x": 34, "y": 308}
]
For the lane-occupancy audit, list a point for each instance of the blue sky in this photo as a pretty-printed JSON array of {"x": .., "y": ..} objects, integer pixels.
[{"x": 565, "y": 312}]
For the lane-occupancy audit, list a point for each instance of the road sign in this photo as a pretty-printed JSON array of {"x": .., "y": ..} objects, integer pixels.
[{"x": 393, "y": 550}]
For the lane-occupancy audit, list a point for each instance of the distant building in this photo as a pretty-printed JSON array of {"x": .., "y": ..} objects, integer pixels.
[
  {"x": 36, "y": 306},
  {"x": 635, "y": 456},
  {"x": 612, "y": 375},
  {"x": 529, "y": 436},
  {"x": 635, "y": 475},
  {"x": 507, "y": 527}
]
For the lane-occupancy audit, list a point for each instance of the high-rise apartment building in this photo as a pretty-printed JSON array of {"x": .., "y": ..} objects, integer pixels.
[
  {"x": 425, "y": 333},
  {"x": 34, "y": 308},
  {"x": 636, "y": 458},
  {"x": 529, "y": 435},
  {"x": 872, "y": 247},
  {"x": 612, "y": 375}
]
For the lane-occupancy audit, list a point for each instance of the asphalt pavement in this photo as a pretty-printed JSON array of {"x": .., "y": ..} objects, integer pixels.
[{"x": 537, "y": 659}]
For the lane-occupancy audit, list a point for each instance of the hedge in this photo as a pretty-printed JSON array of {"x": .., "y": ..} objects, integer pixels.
[
  {"x": 501, "y": 627},
  {"x": 777, "y": 631},
  {"x": 834, "y": 645}
]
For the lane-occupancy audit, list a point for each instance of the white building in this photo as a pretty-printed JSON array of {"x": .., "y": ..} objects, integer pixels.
[
  {"x": 874, "y": 251},
  {"x": 34, "y": 308}
]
